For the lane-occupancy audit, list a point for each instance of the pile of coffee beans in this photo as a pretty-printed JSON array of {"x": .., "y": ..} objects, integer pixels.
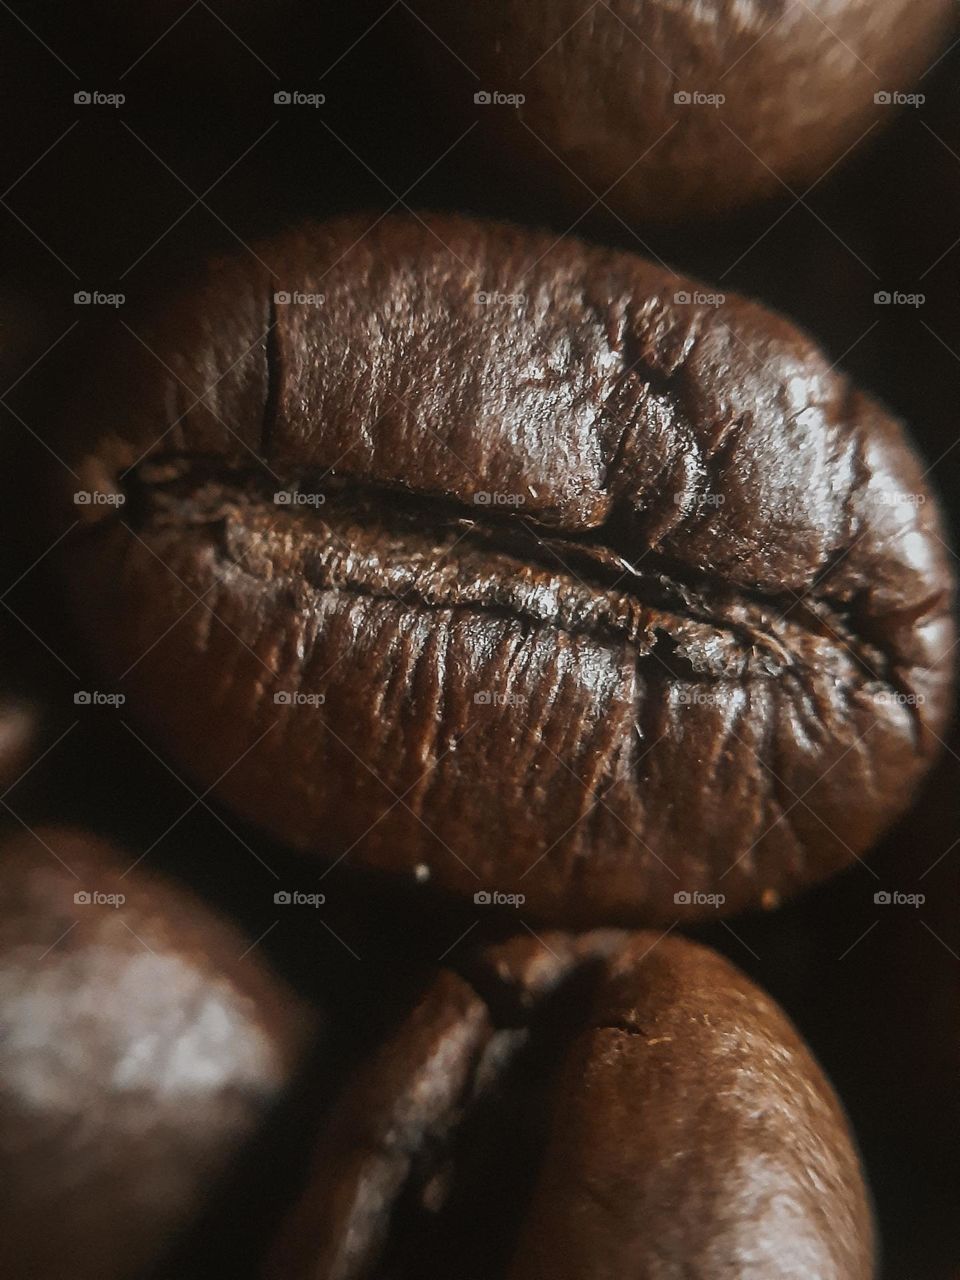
[{"x": 479, "y": 783}]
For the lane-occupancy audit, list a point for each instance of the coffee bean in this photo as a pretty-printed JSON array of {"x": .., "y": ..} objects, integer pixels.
[
  {"x": 682, "y": 111},
  {"x": 730, "y": 1122},
  {"x": 666, "y": 1120},
  {"x": 530, "y": 571},
  {"x": 140, "y": 1049}
]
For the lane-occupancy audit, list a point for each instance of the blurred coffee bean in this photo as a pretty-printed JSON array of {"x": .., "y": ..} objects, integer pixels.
[
  {"x": 681, "y": 113},
  {"x": 143, "y": 1045}
]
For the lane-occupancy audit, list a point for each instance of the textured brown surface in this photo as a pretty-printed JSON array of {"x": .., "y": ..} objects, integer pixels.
[
  {"x": 139, "y": 1049},
  {"x": 694, "y": 1136},
  {"x": 721, "y": 579},
  {"x": 407, "y": 1098},
  {"x": 797, "y": 83},
  {"x": 689, "y": 1133}
]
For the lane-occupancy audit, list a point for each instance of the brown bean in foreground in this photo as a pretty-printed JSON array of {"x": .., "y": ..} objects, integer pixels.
[
  {"x": 645, "y": 1112},
  {"x": 512, "y": 565}
]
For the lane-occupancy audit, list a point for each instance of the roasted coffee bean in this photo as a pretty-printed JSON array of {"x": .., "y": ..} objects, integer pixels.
[
  {"x": 688, "y": 110},
  {"x": 139, "y": 1049},
  {"x": 513, "y": 565},
  {"x": 663, "y": 1120},
  {"x": 738, "y": 1160}
]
